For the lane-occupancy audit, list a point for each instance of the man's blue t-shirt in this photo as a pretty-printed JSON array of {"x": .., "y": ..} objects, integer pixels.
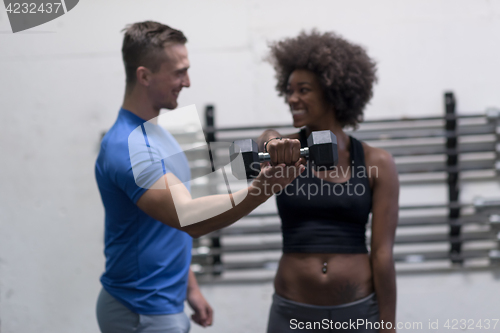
[{"x": 147, "y": 262}]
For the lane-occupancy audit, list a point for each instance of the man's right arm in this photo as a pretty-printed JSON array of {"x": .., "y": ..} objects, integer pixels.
[{"x": 159, "y": 203}]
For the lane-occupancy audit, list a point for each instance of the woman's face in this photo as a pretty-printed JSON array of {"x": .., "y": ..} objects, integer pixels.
[{"x": 306, "y": 99}]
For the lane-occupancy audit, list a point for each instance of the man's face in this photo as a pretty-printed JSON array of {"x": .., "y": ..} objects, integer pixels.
[{"x": 167, "y": 83}]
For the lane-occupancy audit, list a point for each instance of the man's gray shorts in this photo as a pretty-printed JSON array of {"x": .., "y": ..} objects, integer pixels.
[
  {"x": 288, "y": 316},
  {"x": 114, "y": 317}
]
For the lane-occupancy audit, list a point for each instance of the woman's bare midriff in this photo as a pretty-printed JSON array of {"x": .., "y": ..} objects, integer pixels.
[{"x": 300, "y": 278}]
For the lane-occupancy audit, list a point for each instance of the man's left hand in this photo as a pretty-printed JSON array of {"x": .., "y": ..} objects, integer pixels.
[{"x": 203, "y": 313}]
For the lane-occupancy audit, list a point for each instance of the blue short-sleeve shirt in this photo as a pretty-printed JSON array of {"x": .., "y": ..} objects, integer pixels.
[{"x": 147, "y": 262}]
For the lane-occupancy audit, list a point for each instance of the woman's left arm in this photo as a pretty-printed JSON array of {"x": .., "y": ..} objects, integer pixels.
[{"x": 385, "y": 208}]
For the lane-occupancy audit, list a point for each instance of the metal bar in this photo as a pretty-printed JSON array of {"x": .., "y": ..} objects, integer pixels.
[
  {"x": 275, "y": 227},
  {"x": 403, "y": 148},
  {"x": 391, "y": 134},
  {"x": 401, "y": 257},
  {"x": 423, "y": 133},
  {"x": 378, "y": 121},
  {"x": 400, "y": 270},
  {"x": 437, "y": 149},
  {"x": 421, "y": 178},
  {"x": 210, "y": 122},
  {"x": 485, "y": 144},
  {"x": 453, "y": 175},
  {"x": 215, "y": 236},
  {"x": 418, "y": 257},
  {"x": 433, "y": 166},
  {"x": 401, "y": 239},
  {"x": 402, "y": 207}
]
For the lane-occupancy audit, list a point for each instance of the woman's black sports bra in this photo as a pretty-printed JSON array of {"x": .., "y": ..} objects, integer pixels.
[{"x": 319, "y": 216}]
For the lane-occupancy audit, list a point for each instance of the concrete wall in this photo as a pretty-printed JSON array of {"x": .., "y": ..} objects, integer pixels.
[{"x": 61, "y": 85}]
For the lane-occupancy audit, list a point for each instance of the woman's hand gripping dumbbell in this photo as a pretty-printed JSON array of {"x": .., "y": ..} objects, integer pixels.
[{"x": 321, "y": 151}]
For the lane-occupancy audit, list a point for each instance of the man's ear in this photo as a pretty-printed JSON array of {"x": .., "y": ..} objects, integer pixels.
[{"x": 143, "y": 76}]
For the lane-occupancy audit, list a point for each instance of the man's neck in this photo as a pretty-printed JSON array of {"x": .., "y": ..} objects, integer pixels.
[{"x": 139, "y": 105}]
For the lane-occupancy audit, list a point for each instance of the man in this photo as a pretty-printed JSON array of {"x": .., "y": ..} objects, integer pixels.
[{"x": 148, "y": 250}]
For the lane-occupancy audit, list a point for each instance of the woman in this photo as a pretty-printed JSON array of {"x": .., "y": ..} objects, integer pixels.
[{"x": 326, "y": 279}]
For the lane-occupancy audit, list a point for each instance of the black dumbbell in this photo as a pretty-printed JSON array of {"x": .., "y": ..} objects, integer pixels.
[{"x": 322, "y": 152}]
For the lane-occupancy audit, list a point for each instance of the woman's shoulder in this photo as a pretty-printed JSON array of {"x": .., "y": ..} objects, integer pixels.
[
  {"x": 380, "y": 165},
  {"x": 376, "y": 156}
]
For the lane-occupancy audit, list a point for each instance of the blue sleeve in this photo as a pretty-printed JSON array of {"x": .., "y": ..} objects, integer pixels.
[
  {"x": 147, "y": 147},
  {"x": 128, "y": 184},
  {"x": 122, "y": 174}
]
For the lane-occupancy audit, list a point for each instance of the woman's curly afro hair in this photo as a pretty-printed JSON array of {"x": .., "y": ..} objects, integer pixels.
[{"x": 345, "y": 71}]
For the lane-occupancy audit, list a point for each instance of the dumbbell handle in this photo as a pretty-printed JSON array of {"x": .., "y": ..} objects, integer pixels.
[{"x": 266, "y": 157}]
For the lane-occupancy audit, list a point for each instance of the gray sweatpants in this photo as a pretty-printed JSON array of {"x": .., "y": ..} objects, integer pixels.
[
  {"x": 114, "y": 317},
  {"x": 288, "y": 316}
]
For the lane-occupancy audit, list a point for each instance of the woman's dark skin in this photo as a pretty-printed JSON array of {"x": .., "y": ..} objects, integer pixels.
[{"x": 348, "y": 277}]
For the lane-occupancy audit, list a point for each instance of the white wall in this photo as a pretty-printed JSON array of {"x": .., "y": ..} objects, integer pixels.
[{"x": 61, "y": 85}]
